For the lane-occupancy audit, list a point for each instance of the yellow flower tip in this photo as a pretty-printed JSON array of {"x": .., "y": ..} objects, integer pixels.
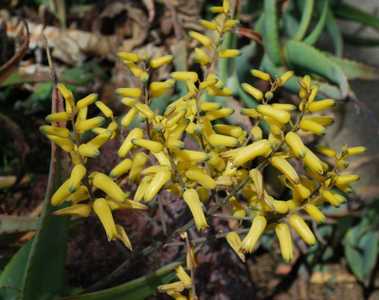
[
  {"x": 285, "y": 77},
  {"x": 235, "y": 243},
  {"x": 312, "y": 126},
  {"x": 152, "y": 146},
  {"x": 202, "y": 58},
  {"x": 283, "y": 234},
  {"x": 315, "y": 213},
  {"x": 217, "y": 9},
  {"x": 156, "y": 184},
  {"x": 129, "y": 92},
  {"x": 229, "y": 53},
  {"x": 58, "y": 117},
  {"x": 355, "y": 150},
  {"x": 250, "y": 152},
  {"x": 201, "y": 38},
  {"x": 78, "y": 210},
  {"x": 108, "y": 186},
  {"x": 256, "y": 230},
  {"x": 85, "y": 125},
  {"x": 126, "y": 146},
  {"x": 129, "y": 57},
  {"x": 104, "y": 109},
  {"x": 295, "y": 143},
  {"x": 252, "y": 91},
  {"x": 77, "y": 174},
  {"x": 61, "y": 193},
  {"x": 191, "y": 198},
  {"x": 199, "y": 176},
  {"x": 286, "y": 168},
  {"x": 104, "y": 213},
  {"x": 88, "y": 150},
  {"x": 53, "y": 130},
  {"x": 210, "y": 25},
  {"x": 86, "y": 101},
  {"x": 123, "y": 237},
  {"x": 121, "y": 168},
  {"x": 260, "y": 74},
  {"x": 302, "y": 229},
  {"x": 161, "y": 61},
  {"x": 312, "y": 162},
  {"x": 279, "y": 115},
  {"x": 185, "y": 75},
  {"x": 183, "y": 277},
  {"x": 321, "y": 105},
  {"x": 220, "y": 140}
]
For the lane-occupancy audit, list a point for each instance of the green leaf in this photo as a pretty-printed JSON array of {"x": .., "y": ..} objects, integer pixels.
[
  {"x": 137, "y": 289},
  {"x": 305, "y": 20},
  {"x": 12, "y": 275},
  {"x": 335, "y": 33},
  {"x": 14, "y": 224},
  {"x": 356, "y": 70},
  {"x": 271, "y": 32},
  {"x": 308, "y": 59},
  {"x": 313, "y": 37},
  {"x": 290, "y": 24},
  {"x": 352, "y": 13}
]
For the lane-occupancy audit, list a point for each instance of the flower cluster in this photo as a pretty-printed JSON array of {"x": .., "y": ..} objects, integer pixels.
[{"x": 193, "y": 151}]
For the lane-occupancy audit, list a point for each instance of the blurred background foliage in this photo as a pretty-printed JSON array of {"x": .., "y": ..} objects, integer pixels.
[{"x": 310, "y": 37}]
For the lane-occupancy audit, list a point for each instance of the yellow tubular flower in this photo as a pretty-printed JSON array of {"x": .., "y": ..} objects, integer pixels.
[
  {"x": 157, "y": 182},
  {"x": 145, "y": 110},
  {"x": 253, "y": 91},
  {"x": 121, "y": 168},
  {"x": 77, "y": 174},
  {"x": 216, "y": 161},
  {"x": 197, "y": 175},
  {"x": 80, "y": 194},
  {"x": 184, "y": 75},
  {"x": 104, "y": 109},
  {"x": 191, "y": 198},
  {"x": 201, "y": 56},
  {"x": 220, "y": 140},
  {"x": 129, "y": 92},
  {"x": 58, "y": 117},
  {"x": 201, "y": 38},
  {"x": 321, "y": 105},
  {"x": 280, "y": 206},
  {"x": 260, "y": 74},
  {"x": 216, "y": 9},
  {"x": 210, "y": 25},
  {"x": 235, "y": 243},
  {"x": 108, "y": 186},
  {"x": 129, "y": 56},
  {"x": 255, "y": 232},
  {"x": 302, "y": 229},
  {"x": 312, "y": 162},
  {"x": 68, "y": 97},
  {"x": 295, "y": 143},
  {"x": 172, "y": 288},
  {"x": 284, "y": 106},
  {"x": 53, "y": 130},
  {"x": 230, "y": 24},
  {"x": 209, "y": 106},
  {"x": 78, "y": 210},
  {"x": 333, "y": 198},
  {"x": 229, "y": 53},
  {"x": 142, "y": 188},
  {"x": 283, "y": 234},
  {"x": 192, "y": 155},
  {"x": 219, "y": 114},
  {"x": 65, "y": 143},
  {"x": 314, "y": 213},
  {"x": 82, "y": 114},
  {"x": 138, "y": 72},
  {"x": 129, "y": 101},
  {"x": 302, "y": 191},
  {"x": 88, "y": 124},
  {"x": 286, "y": 168},
  {"x": 247, "y": 153},
  {"x": 126, "y": 146},
  {"x": 311, "y": 126},
  {"x": 257, "y": 133},
  {"x": 226, "y": 6},
  {"x": 257, "y": 179},
  {"x": 104, "y": 213},
  {"x": 285, "y": 77},
  {"x": 161, "y": 61},
  {"x": 355, "y": 150},
  {"x": 313, "y": 94},
  {"x": 232, "y": 130},
  {"x": 129, "y": 117},
  {"x": 101, "y": 139},
  {"x": 183, "y": 277},
  {"x": 86, "y": 101},
  {"x": 61, "y": 193},
  {"x": 88, "y": 150},
  {"x": 152, "y": 146},
  {"x": 321, "y": 120},
  {"x": 138, "y": 163},
  {"x": 123, "y": 237},
  {"x": 346, "y": 179},
  {"x": 329, "y": 152},
  {"x": 281, "y": 116},
  {"x": 158, "y": 88}
]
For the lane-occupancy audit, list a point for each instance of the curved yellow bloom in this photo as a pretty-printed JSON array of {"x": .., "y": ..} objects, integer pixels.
[
  {"x": 302, "y": 229},
  {"x": 53, "y": 130},
  {"x": 191, "y": 198},
  {"x": 86, "y": 101},
  {"x": 302, "y": 191},
  {"x": 80, "y": 194},
  {"x": 329, "y": 152},
  {"x": 285, "y": 77},
  {"x": 256, "y": 133},
  {"x": 129, "y": 92},
  {"x": 281, "y": 116},
  {"x": 108, "y": 186},
  {"x": 355, "y": 150},
  {"x": 312, "y": 162},
  {"x": 104, "y": 109},
  {"x": 232, "y": 130},
  {"x": 321, "y": 120},
  {"x": 123, "y": 237},
  {"x": 129, "y": 56},
  {"x": 88, "y": 124},
  {"x": 183, "y": 277},
  {"x": 311, "y": 126},
  {"x": 218, "y": 114},
  {"x": 138, "y": 163},
  {"x": 295, "y": 143},
  {"x": 101, "y": 138},
  {"x": 253, "y": 91},
  {"x": 162, "y": 159},
  {"x": 333, "y": 198},
  {"x": 284, "y": 106},
  {"x": 129, "y": 117},
  {"x": 68, "y": 97},
  {"x": 158, "y": 88},
  {"x": 192, "y": 155},
  {"x": 65, "y": 143},
  {"x": 157, "y": 182},
  {"x": 210, "y": 25},
  {"x": 77, "y": 174},
  {"x": 285, "y": 241},
  {"x": 58, "y": 117},
  {"x": 235, "y": 243},
  {"x": 145, "y": 110},
  {"x": 142, "y": 188},
  {"x": 127, "y": 145},
  {"x": 201, "y": 56},
  {"x": 280, "y": 206},
  {"x": 185, "y": 75},
  {"x": 201, "y": 38},
  {"x": 257, "y": 179},
  {"x": 121, "y": 168},
  {"x": 158, "y": 62},
  {"x": 229, "y": 53},
  {"x": 260, "y": 74},
  {"x": 88, "y": 150},
  {"x": 78, "y": 210},
  {"x": 61, "y": 194},
  {"x": 321, "y": 105},
  {"x": 346, "y": 179},
  {"x": 250, "y": 152},
  {"x": 138, "y": 72},
  {"x": 216, "y": 9},
  {"x": 314, "y": 212},
  {"x": 104, "y": 213},
  {"x": 202, "y": 178},
  {"x": 257, "y": 228},
  {"x": 286, "y": 168},
  {"x": 220, "y": 140},
  {"x": 152, "y": 146}
]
